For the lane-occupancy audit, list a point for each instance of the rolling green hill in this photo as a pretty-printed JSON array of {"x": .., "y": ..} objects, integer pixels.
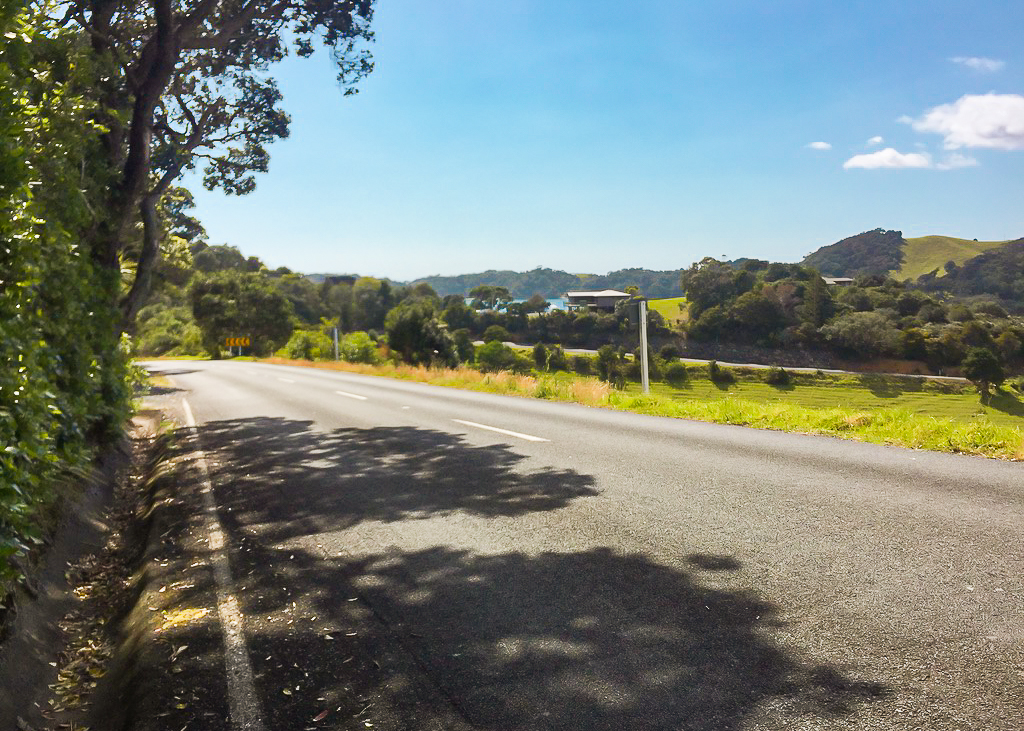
[{"x": 927, "y": 253}]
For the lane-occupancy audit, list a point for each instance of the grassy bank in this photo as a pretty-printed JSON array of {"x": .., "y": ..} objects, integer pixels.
[{"x": 877, "y": 409}]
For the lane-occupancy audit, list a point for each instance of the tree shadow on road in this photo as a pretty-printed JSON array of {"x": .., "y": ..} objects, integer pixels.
[
  {"x": 595, "y": 639},
  {"x": 295, "y": 480},
  {"x": 591, "y": 639}
]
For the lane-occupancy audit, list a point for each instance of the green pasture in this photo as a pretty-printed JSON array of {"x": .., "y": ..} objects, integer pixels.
[
  {"x": 926, "y": 253},
  {"x": 673, "y": 309},
  {"x": 857, "y": 393}
]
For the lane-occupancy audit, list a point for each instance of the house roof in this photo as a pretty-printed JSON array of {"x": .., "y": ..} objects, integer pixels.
[{"x": 598, "y": 293}]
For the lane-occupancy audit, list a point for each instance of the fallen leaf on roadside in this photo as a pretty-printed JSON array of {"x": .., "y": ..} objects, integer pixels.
[{"x": 321, "y": 716}]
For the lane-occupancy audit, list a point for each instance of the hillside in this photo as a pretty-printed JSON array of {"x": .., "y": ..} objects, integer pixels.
[
  {"x": 998, "y": 272},
  {"x": 554, "y": 282},
  {"x": 928, "y": 253},
  {"x": 871, "y": 252}
]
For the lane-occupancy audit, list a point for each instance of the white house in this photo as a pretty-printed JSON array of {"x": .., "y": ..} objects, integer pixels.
[{"x": 603, "y": 299}]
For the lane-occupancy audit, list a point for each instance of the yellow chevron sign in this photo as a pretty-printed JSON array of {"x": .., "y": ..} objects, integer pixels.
[{"x": 234, "y": 342}]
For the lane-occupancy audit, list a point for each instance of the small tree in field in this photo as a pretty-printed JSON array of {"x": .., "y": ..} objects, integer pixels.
[{"x": 983, "y": 369}]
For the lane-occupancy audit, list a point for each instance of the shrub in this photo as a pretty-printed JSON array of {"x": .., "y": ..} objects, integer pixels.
[
  {"x": 496, "y": 333},
  {"x": 583, "y": 365},
  {"x": 556, "y": 359},
  {"x": 776, "y": 376},
  {"x": 358, "y": 347},
  {"x": 675, "y": 373},
  {"x": 308, "y": 345},
  {"x": 718, "y": 374},
  {"x": 669, "y": 352},
  {"x": 495, "y": 356},
  {"x": 540, "y": 356}
]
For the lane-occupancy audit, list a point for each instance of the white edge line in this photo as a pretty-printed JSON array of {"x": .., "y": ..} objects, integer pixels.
[
  {"x": 242, "y": 699},
  {"x": 286, "y": 380},
  {"x": 527, "y": 437},
  {"x": 351, "y": 395}
]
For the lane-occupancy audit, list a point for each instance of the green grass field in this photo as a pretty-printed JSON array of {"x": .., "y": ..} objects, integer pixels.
[
  {"x": 925, "y": 253},
  {"x": 669, "y": 308},
  {"x": 861, "y": 393}
]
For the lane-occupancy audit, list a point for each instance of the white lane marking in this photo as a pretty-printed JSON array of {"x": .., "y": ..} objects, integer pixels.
[
  {"x": 351, "y": 395},
  {"x": 527, "y": 437},
  {"x": 242, "y": 699},
  {"x": 406, "y": 407},
  {"x": 286, "y": 380}
]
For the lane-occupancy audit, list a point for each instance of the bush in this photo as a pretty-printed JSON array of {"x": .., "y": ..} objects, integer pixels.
[
  {"x": 583, "y": 365},
  {"x": 675, "y": 373},
  {"x": 495, "y": 356},
  {"x": 556, "y": 359},
  {"x": 718, "y": 374},
  {"x": 669, "y": 352},
  {"x": 540, "y": 356},
  {"x": 776, "y": 376},
  {"x": 308, "y": 345},
  {"x": 496, "y": 333},
  {"x": 358, "y": 347}
]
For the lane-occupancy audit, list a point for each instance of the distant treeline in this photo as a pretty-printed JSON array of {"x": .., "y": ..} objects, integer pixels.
[{"x": 551, "y": 282}]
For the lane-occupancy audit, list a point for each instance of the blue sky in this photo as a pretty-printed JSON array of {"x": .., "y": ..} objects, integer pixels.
[{"x": 592, "y": 136}]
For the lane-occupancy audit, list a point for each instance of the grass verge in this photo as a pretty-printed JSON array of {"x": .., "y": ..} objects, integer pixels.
[{"x": 897, "y": 426}]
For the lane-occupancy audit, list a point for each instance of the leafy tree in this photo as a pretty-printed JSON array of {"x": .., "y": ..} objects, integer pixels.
[
  {"x": 418, "y": 336},
  {"x": 240, "y": 304},
  {"x": 464, "y": 347},
  {"x": 371, "y": 300},
  {"x": 496, "y": 332},
  {"x": 488, "y": 297},
  {"x": 983, "y": 369},
  {"x": 863, "y": 333},
  {"x": 536, "y": 303},
  {"x": 179, "y": 84},
  {"x": 710, "y": 282},
  {"x": 817, "y": 305}
]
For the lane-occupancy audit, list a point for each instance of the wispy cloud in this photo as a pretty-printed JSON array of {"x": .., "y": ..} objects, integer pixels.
[
  {"x": 876, "y": 140},
  {"x": 985, "y": 65},
  {"x": 820, "y": 146},
  {"x": 977, "y": 120},
  {"x": 955, "y": 160},
  {"x": 889, "y": 158}
]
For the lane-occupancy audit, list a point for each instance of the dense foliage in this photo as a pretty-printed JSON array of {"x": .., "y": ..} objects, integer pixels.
[{"x": 62, "y": 371}]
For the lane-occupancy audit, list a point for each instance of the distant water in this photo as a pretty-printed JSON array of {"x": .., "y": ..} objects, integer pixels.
[{"x": 557, "y": 303}]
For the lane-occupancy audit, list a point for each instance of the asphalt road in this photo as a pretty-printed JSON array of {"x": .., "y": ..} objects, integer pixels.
[{"x": 412, "y": 557}]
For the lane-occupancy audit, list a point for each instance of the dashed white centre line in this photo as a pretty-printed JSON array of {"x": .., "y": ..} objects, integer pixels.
[
  {"x": 518, "y": 435},
  {"x": 286, "y": 380},
  {"x": 346, "y": 394}
]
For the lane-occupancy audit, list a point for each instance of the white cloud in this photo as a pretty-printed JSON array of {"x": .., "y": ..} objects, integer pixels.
[
  {"x": 820, "y": 146},
  {"x": 986, "y": 65},
  {"x": 977, "y": 120},
  {"x": 889, "y": 158},
  {"x": 876, "y": 140},
  {"x": 955, "y": 160}
]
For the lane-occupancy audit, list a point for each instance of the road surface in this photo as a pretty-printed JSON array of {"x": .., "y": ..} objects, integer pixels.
[{"x": 410, "y": 557}]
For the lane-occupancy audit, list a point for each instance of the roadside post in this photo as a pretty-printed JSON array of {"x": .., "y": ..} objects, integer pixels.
[
  {"x": 334, "y": 332},
  {"x": 645, "y": 377}
]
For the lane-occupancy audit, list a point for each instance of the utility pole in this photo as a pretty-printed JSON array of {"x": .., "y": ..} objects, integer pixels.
[
  {"x": 645, "y": 377},
  {"x": 334, "y": 332}
]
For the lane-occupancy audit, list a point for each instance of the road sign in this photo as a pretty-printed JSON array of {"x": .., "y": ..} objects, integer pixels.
[{"x": 235, "y": 342}]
